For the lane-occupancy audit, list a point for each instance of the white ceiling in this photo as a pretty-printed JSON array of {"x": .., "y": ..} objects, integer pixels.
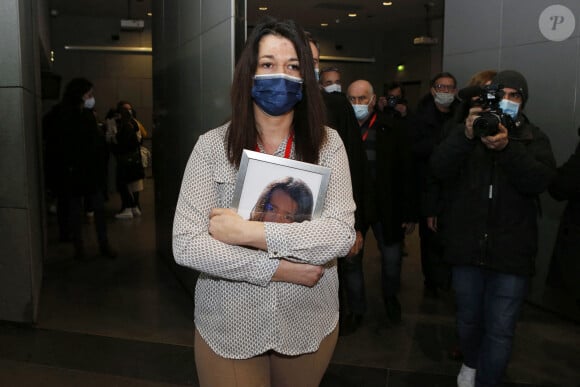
[{"x": 371, "y": 14}]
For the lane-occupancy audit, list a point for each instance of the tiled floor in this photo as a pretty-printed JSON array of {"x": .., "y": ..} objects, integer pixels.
[{"x": 128, "y": 322}]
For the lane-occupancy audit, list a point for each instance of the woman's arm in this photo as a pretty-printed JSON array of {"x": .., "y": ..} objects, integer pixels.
[
  {"x": 193, "y": 246},
  {"x": 317, "y": 241},
  {"x": 332, "y": 234}
]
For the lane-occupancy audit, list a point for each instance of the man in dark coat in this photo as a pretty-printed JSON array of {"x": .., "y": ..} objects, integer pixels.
[
  {"x": 433, "y": 111},
  {"x": 565, "y": 265},
  {"x": 489, "y": 226},
  {"x": 78, "y": 157},
  {"x": 340, "y": 116},
  {"x": 393, "y": 194}
]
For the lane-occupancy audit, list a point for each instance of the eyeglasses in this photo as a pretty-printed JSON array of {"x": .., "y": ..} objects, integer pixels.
[{"x": 441, "y": 87}]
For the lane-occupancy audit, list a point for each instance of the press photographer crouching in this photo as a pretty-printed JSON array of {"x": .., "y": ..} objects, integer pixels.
[{"x": 494, "y": 171}]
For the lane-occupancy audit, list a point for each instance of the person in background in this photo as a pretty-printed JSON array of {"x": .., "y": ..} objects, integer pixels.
[
  {"x": 435, "y": 196},
  {"x": 266, "y": 300},
  {"x": 426, "y": 128},
  {"x": 330, "y": 80},
  {"x": 78, "y": 153},
  {"x": 565, "y": 264},
  {"x": 489, "y": 226},
  {"x": 393, "y": 193},
  {"x": 394, "y": 102},
  {"x": 125, "y": 134},
  {"x": 340, "y": 116}
]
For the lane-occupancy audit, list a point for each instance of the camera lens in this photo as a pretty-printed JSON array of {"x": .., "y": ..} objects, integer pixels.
[{"x": 486, "y": 125}]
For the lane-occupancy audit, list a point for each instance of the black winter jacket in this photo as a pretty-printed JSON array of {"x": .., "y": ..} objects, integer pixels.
[
  {"x": 491, "y": 209},
  {"x": 340, "y": 116},
  {"x": 76, "y": 149},
  {"x": 393, "y": 195}
]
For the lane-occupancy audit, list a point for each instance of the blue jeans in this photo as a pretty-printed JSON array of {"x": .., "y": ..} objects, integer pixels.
[
  {"x": 488, "y": 306},
  {"x": 390, "y": 263}
]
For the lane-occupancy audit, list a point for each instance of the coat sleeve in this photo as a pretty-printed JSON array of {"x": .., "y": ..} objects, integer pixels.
[
  {"x": 193, "y": 246},
  {"x": 530, "y": 167},
  {"x": 450, "y": 155},
  {"x": 566, "y": 185}
]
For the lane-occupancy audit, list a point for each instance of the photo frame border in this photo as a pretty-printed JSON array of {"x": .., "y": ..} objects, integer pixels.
[{"x": 249, "y": 155}]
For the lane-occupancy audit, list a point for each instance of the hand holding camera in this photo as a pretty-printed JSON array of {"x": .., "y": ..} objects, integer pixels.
[
  {"x": 496, "y": 139},
  {"x": 393, "y": 102}
]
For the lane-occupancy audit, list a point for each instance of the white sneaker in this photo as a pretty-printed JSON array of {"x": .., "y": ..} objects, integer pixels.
[
  {"x": 136, "y": 211},
  {"x": 466, "y": 377},
  {"x": 125, "y": 214}
]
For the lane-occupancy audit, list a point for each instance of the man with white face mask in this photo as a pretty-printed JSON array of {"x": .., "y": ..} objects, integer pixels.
[
  {"x": 330, "y": 80},
  {"x": 433, "y": 111},
  {"x": 488, "y": 225},
  {"x": 391, "y": 194}
]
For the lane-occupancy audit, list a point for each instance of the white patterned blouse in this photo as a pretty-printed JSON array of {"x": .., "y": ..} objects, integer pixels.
[{"x": 239, "y": 312}]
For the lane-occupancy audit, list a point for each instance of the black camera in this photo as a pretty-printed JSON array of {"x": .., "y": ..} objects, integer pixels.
[
  {"x": 487, "y": 122},
  {"x": 392, "y": 101}
]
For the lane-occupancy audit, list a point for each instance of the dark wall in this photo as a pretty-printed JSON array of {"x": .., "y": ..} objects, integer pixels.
[
  {"x": 21, "y": 222},
  {"x": 193, "y": 61}
]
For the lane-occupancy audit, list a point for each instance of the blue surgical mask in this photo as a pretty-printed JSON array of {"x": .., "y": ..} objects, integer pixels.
[
  {"x": 510, "y": 108},
  {"x": 317, "y": 74},
  {"x": 361, "y": 111},
  {"x": 276, "y": 94}
]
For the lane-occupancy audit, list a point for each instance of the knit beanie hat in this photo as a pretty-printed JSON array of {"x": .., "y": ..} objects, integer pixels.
[{"x": 513, "y": 80}]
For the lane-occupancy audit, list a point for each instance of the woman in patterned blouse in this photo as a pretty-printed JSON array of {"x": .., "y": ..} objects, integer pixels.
[{"x": 266, "y": 300}]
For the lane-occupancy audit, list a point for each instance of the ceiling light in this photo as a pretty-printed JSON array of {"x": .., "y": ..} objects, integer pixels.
[
  {"x": 323, "y": 24},
  {"x": 263, "y": 8},
  {"x": 149, "y": 13},
  {"x": 352, "y": 14},
  {"x": 387, "y": 3},
  {"x": 400, "y": 67}
]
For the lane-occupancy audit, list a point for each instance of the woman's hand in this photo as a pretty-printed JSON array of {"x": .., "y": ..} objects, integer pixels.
[
  {"x": 298, "y": 273},
  {"x": 227, "y": 226}
]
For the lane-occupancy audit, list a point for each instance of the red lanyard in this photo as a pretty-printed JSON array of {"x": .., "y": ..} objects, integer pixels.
[
  {"x": 288, "y": 146},
  {"x": 371, "y": 123}
]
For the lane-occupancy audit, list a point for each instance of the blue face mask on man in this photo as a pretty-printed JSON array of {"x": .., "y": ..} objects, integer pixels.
[
  {"x": 276, "y": 94},
  {"x": 510, "y": 108}
]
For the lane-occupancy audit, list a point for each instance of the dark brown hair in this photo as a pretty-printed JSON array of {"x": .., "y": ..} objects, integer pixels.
[
  {"x": 296, "y": 189},
  {"x": 444, "y": 74},
  {"x": 309, "y": 133}
]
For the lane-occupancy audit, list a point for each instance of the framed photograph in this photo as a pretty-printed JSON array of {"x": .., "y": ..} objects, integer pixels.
[{"x": 275, "y": 189}]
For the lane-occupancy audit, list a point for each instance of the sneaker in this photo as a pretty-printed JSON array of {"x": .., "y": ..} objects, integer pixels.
[
  {"x": 466, "y": 377},
  {"x": 136, "y": 211},
  {"x": 125, "y": 214}
]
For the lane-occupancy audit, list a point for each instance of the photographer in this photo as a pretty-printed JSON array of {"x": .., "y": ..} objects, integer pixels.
[
  {"x": 394, "y": 103},
  {"x": 489, "y": 227}
]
